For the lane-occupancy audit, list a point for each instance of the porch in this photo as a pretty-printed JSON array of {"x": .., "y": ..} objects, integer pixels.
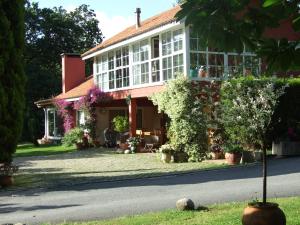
[{"x": 144, "y": 119}]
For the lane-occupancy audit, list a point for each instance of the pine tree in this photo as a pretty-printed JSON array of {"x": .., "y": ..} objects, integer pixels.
[{"x": 12, "y": 77}]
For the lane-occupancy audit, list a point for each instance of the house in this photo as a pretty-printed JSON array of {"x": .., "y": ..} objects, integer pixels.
[{"x": 136, "y": 63}]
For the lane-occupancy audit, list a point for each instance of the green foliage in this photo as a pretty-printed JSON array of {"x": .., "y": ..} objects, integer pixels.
[
  {"x": 73, "y": 136},
  {"x": 233, "y": 148},
  {"x": 11, "y": 76},
  {"x": 50, "y": 32},
  {"x": 166, "y": 148},
  {"x": 247, "y": 111},
  {"x": 121, "y": 123},
  {"x": 182, "y": 103},
  {"x": 227, "y": 26}
]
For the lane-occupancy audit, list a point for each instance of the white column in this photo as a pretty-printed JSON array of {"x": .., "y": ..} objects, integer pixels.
[
  {"x": 186, "y": 51},
  {"x": 46, "y": 123}
]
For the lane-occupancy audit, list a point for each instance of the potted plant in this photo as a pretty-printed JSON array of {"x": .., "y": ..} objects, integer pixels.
[
  {"x": 216, "y": 152},
  {"x": 6, "y": 172},
  {"x": 75, "y": 136},
  {"x": 166, "y": 151},
  {"x": 233, "y": 153},
  {"x": 133, "y": 143},
  {"x": 121, "y": 125}
]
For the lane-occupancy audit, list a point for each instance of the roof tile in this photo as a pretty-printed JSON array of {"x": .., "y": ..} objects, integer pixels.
[{"x": 146, "y": 25}]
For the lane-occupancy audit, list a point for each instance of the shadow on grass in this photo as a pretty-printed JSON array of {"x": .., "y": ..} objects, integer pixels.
[{"x": 74, "y": 182}]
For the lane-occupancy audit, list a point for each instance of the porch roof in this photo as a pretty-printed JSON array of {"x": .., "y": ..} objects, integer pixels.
[{"x": 146, "y": 25}]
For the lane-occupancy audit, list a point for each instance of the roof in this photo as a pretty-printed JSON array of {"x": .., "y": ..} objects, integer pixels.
[
  {"x": 146, "y": 25},
  {"x": 79, "y": 90}
]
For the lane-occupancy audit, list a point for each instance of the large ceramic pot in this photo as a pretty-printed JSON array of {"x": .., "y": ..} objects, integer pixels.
[
  {"x": 166, "y": 157},
  {"x": 233, "y": 158},
  {"x": 6, "y": 181},
  {"x": 263, "y": 214}
]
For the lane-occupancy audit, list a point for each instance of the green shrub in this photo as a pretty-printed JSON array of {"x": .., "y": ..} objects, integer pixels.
[
  {"x": 121, "y": 124},
  {"x": 232, "y": 148},
  {"x": 187, "y": 130},
  {"x": 73, "y": 136},
  {"x": 247, "y": 106}
]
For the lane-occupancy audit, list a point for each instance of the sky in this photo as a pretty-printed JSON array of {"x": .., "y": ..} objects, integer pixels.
[{"x": 114, "y": 15}]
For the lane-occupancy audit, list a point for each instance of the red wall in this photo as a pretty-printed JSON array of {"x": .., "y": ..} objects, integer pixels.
[{"x": 73, "y": 71}]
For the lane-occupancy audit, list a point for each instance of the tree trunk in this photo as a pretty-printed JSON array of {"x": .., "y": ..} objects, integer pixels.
[{"x": 264, "y": 175}]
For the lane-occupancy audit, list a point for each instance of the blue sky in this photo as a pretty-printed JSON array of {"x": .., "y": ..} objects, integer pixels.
[{"x": 114, "y": 15}]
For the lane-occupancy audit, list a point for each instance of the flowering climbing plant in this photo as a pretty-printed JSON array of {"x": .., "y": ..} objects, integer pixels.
[
  {"x": 64, "y": 110},
  {"x": 88, "y": 104}
]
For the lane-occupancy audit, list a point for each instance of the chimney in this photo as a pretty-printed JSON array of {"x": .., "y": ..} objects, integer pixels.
[
  {"x": 138, "y": 18},
  {"x": 73, "y": 71}
]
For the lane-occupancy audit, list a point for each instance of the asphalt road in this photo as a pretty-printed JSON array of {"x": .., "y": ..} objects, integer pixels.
[{"x": 101, "y": 200}]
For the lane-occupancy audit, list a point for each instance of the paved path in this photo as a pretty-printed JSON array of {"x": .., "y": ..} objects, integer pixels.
[{"x": 113, "y": 199}]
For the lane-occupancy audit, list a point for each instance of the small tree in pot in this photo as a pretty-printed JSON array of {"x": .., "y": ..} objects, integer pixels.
[{"x": 247, "y": 113}]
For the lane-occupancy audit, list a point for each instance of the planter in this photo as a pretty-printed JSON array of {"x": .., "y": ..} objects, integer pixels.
[
  {"x": 166, "y": 157},
  {"x": 133, "y": 149},
  {"x": 6, "y": 181},
  {"x": 124, "y": 146},
  {"x": 180, "y": 157},
  {"x": 217, "y": 155},
  {"x": 286, "y": 148},
  {"x": 263, "y": 214},
  {"x": 233, "y": 158}
]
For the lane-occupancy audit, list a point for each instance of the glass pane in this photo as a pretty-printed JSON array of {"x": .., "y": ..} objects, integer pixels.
[
  {"x": 155, "y": 71},
  {"x": 125, "y": 77},
  {"x": 111, "y": 80},
  {"x": 118, "y": 78},
  {"x": 51, "y": 123},
  {"x": 111, "y": 61},
  {"x": 118, "y": 58},
  {"x": 136, "y": 74},
  {"x": 145, "y": 73}
]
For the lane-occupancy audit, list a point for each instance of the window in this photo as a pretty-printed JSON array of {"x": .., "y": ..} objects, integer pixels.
[
  {"x": 54, "y": 123},
  {"x": 155, "y": 71},
  {"x": 166, "y": 43},
  {"x": 178, "y": 64},
  {"x": 111, "y": 79},
  {"x": 215, "y": 63},
  {"x": 140, "y": 68},
  {"x": 167, "y": 68},
  {"x": 177, "y": 40},
  {"x": 155, "y": 47},
  {"x": 102, "y": 81},
  {"x": 80, "y": 118}
]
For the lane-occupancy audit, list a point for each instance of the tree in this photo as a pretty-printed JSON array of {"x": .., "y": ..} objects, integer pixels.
[
  {"x": 232, "y": 25},
  {"x": 50, "y": 32},
  {"x": 11, "y": 76}
]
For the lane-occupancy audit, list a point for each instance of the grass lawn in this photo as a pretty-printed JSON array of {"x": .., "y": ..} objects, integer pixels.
[
  {"x": 29, "y": 149},
  {"x": 223, "y": 214},
  {"x": 100, "y": 164}
]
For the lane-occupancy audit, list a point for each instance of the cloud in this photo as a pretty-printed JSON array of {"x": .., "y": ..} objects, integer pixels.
[{"x": 111, "y": 25}]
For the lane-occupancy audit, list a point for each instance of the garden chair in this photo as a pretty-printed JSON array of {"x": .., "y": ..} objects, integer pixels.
[{"x": 152, "y": 142}]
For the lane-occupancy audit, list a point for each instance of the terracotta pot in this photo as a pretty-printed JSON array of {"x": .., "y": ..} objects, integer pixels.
[
  {"x": 263, "y": 214},
  {"x": 217, "y": 155},
  {"x": 124, "y": 146},
  {"x": 6, "y": 181},
  {"x": 166, "y": 157},
  {"x": 233, "y": 158}
]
